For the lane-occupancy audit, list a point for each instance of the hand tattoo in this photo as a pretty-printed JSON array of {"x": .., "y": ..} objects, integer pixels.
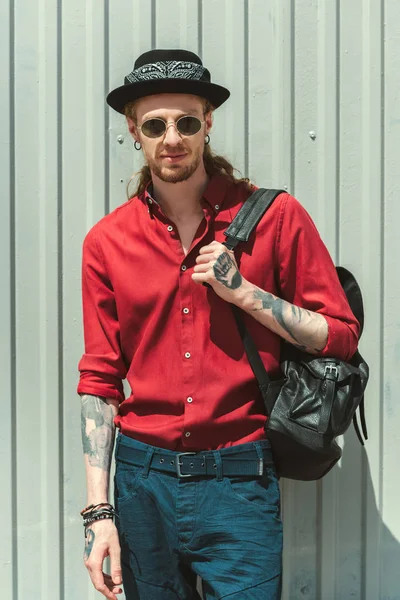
[
  {"x": 97, "y": 440},
  {"x": 89, "y": 541},
  {"x": 226, "y": 272}
]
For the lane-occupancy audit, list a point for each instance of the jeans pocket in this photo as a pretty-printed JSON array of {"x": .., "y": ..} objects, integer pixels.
[
  {"x": 261, "y": 493},
  {"x": 126, "y": 481}
]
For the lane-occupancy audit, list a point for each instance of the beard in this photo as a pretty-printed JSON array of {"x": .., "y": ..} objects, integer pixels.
[{"x": 174, "y": 173}]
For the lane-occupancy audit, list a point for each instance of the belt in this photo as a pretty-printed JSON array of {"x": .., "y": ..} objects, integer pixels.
[{"x": 192, "y": 464}]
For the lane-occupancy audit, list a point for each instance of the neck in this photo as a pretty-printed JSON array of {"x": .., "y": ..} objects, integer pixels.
[{"x": 181, "y": 200}]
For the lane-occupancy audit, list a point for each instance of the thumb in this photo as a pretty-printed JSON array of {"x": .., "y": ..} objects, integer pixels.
[{"x": 115, "y": 560}]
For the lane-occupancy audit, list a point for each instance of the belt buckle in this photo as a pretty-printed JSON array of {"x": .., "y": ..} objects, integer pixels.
[{"x": 179, "y": 464}]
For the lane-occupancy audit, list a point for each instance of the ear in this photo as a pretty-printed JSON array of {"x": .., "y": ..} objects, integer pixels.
[
  {"x": 208, "y": 117},
  {"x": 132, "y": 128}
]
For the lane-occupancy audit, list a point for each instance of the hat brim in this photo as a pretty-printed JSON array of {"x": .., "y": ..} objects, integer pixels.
[{"x": 118, "y": 98}]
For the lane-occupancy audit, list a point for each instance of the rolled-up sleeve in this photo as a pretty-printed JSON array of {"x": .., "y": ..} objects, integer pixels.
[
  {"x": 102, "y": 368},
  {"x": 308, "y": 278}
]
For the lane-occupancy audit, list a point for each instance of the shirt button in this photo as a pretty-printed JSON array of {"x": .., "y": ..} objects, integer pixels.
[
  {"x": 150, "y": 201},
  {"x": 187, "y": 354},
  {"x": 170, "y": 228},
  {"x": 186, "y": 310},
  {"x": 187, "y": 434},
  {"x": 216, "y": 207},
  {"x": 190, "y": 399},
  {"x": 183, "y": 267}
]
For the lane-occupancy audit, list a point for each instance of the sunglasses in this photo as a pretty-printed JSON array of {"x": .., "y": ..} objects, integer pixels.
[{"x": 154, "y": 128}]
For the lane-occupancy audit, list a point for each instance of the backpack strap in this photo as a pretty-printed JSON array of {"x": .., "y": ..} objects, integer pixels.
[
  {"x": 353, "y": 294},
  {"x": 361, "y": 408},
  {"x": 240, "y": 230},
  {"x": 249, "y": 216},
  {"x": 254, "y": 359}
]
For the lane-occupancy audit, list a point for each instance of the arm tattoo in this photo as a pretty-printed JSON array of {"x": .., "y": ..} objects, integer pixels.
[
  {"x": 225, "y": 272},
  {"x": 89, "y": 541},
  {"x": 97, "y": 424},
  {"x": 277, "y": 305}
]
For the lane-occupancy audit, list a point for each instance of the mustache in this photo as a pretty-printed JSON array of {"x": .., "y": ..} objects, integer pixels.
[{"x": 174, "y": 150}]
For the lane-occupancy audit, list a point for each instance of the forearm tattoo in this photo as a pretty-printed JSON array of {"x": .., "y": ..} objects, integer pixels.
[
  {"x": 226, "y": 272},
  {"x": 98, "y": 430},
  {"x": 89, "y": 541},
  {"x": 278, "y": 307}
]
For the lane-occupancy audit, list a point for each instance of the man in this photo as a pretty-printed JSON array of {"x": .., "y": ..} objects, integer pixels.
[{"x": 196, "y": 491}]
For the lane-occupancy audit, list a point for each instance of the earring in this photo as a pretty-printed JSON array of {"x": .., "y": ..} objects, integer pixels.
[
  {"x": 207, "y": 141},
  {"x": 138, "y": 146}
]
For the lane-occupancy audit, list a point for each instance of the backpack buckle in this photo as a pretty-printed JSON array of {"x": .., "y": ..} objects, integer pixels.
[{"x": 331, "y": 372}]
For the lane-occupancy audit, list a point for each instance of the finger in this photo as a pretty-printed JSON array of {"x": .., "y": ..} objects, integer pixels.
[
  {"x": 200, "y": 277},
  {"x": 98, "y": 579},
  {"x": 204, "y": 258},
  {"x": 116, "y": 589},
  {"x": 210, "y": 247},
  {"x": 115, "y": 562},
  {"x": 202, "y": 268}
]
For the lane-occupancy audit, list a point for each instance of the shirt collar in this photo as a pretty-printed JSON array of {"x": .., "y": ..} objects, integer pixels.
[
  {"x": 214, "y": 194},
  {"x": 148, "y": 197}
]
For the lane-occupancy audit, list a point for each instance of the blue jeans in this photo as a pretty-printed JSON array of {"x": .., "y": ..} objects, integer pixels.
[{"x": 227, "y": 530}]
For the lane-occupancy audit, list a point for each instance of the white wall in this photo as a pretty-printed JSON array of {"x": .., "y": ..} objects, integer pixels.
[{"x": 332, "y": 67}]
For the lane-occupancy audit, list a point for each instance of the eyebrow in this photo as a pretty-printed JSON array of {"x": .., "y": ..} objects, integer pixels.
[{"x": 190, "y": 111}]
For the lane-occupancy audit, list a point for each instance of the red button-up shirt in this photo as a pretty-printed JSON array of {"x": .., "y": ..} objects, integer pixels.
[{"x": 176, "y": 341}]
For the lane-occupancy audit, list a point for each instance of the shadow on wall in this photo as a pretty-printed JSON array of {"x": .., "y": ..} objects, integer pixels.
[
  {"x": 366, "y": 555},
  {"x": 379, "y": 551}
]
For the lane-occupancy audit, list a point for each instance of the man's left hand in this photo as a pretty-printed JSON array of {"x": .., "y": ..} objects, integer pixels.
[{"x": 216, "y": 265}]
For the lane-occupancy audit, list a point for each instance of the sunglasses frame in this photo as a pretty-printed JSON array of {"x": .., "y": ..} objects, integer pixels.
[{"x": 167, "y": 123}]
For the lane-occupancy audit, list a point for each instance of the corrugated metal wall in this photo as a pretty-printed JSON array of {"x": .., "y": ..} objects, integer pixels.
[{"x": 294, "y": 67}]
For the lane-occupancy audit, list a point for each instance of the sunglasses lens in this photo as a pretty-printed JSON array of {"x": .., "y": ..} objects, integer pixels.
[
  {"x": 188, "y": 125},
  {"x": 153, "y": 128}
]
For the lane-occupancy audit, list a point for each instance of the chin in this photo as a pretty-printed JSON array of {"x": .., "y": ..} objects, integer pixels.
[{"x": 175, "y": 175}]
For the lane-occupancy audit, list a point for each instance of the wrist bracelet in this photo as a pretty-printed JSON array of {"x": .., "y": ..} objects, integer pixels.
[
  {"x": 98, "y": 517},
  {"x": 93, "y": 507},
  {"x": 97, "y": 512}
]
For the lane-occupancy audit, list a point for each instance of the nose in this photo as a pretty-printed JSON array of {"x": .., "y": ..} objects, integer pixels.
[{"x": 172, "y": 137}]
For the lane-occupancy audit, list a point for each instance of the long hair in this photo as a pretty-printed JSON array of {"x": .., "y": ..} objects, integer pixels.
[{"x": 213, "y": 163}]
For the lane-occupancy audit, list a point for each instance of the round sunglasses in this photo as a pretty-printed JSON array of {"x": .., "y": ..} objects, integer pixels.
[{"x": 154, "y": 128}]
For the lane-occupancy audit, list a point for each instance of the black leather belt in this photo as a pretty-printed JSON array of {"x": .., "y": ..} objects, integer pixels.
[{"x": 192, "y": 464}]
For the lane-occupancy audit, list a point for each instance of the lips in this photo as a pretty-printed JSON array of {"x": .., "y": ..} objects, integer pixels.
[{"x": 173, "y": 157}]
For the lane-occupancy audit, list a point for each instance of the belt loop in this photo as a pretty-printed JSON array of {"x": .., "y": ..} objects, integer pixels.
[
  {"x": 218, "y": 463},
  {"x": 260, "y": 458},
  {"x": 147, "y": 462}
]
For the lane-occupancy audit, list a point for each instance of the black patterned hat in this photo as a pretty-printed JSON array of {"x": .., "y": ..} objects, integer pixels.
[{"x": 167, "y": 72}]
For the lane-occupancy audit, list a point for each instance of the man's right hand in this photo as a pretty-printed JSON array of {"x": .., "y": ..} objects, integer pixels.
[{"x": 102, "y": 541}]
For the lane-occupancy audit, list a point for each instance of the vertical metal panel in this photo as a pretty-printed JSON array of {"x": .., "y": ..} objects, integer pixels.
[
  {"x": 385, "y": 483},
  {"x": 224, "y": 49},
  {"x": 36, "y": 301},
  {"x": 372, "y": 275},
  {"x": 48, "y": 340},
  {"x": 349, "y": 478},
  {"x": 293, "y": 68},
  {"x": 82, "y": 118},
  {"x": 8, "y": 571}
]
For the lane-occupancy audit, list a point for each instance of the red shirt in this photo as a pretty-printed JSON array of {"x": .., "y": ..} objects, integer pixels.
[{"x": 176, "y": 341}]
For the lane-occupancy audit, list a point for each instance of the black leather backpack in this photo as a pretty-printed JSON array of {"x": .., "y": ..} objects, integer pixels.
[{"x": 317, "y": 398}]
